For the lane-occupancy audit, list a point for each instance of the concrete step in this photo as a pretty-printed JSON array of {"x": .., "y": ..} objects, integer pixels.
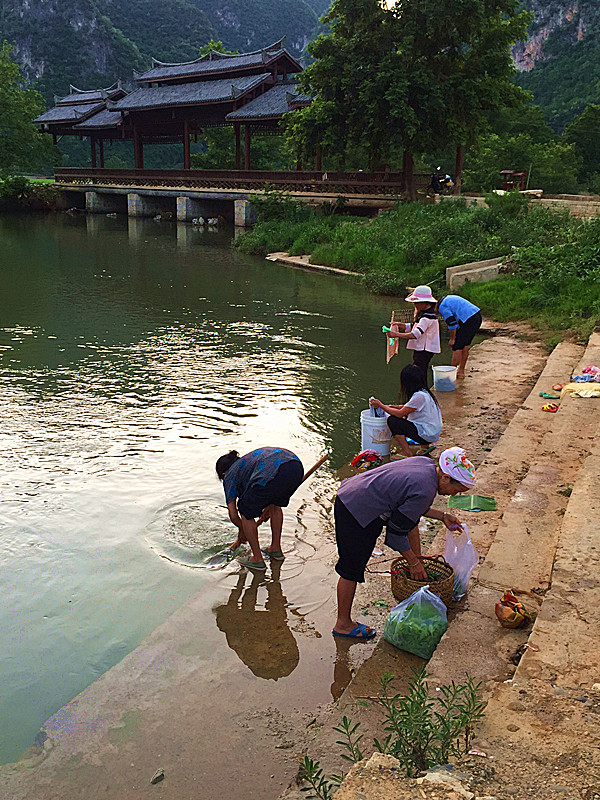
[{"x": 547, "y": 713}]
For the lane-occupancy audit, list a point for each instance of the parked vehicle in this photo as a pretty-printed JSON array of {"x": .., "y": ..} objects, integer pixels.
[{"x": 440, "y": 184}]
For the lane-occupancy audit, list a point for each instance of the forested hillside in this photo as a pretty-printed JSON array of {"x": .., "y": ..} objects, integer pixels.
[
  {"x": 90, "y": 43},
  {"x": 560, "y": 62}
]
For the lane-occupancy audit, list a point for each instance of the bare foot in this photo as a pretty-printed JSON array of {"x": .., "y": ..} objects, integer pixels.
[{"x": 460, "y": 374}]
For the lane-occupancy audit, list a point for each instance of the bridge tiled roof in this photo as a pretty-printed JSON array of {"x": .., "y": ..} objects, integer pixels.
[
  {"x": 275, "y": 102},
  {"x": 79, "y": 96},
  {"x": 215, "y": 63},
  {"x": 69, "y": 113},
  {"x": 188, "y": 94},
  {"x": 103, "y": 119}
]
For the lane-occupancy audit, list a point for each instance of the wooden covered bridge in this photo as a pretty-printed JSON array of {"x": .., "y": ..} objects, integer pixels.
[{"x": 173, "y": 103}]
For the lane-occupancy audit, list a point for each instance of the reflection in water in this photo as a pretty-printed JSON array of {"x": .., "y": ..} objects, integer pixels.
[
  {"x": 342, "y": 671},
  {"x": 260, "y": 636}
]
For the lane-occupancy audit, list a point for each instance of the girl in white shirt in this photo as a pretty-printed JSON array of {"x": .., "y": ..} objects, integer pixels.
[
  {"x": 420, "y": 417},
  {"x": 423, "y": 334}
]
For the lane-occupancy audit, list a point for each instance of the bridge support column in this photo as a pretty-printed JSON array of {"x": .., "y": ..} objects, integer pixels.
[
  {"x": 97, "y": 203},
  {"x": 139, "y": 205},
  {"x": 188, "y": 208},
  {"x": 243, "y": 214}
]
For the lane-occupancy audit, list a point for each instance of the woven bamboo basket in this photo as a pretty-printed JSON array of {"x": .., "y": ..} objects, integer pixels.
[
  {"x": 440, "y": 582},
  {"x": 407, "y": 315}
]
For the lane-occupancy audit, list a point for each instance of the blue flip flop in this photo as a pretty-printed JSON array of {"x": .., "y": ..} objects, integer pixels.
[{"x": 359, "y": 633}]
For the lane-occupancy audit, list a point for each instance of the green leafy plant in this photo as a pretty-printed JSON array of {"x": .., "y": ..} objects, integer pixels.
[
  {"x": 350, "y": 740},
  {"x": 319, "y": 786},
  {"x": 424, "y": 731}
]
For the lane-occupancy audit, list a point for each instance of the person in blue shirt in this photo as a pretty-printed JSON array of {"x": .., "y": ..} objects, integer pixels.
[
  {"x": 257, "y": 486},
  {"x": 463, "y": 320}
]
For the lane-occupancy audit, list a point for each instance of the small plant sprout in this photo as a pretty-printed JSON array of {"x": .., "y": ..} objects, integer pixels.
[{"x": 350, "y": 741}]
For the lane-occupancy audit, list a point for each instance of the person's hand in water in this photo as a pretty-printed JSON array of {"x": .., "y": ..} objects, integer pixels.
[{"x": 241, "y": 539}]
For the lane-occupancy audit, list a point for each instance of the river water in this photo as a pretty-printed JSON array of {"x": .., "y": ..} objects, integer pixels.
[{"x": 134, "y": 353}]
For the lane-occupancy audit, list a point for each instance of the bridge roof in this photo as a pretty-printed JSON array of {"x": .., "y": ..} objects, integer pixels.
[
  {"x": 274, "y": 103},
  {"x": 216, "y": 63},
  {"x": 102, "y": 119},
  {"x": 79, "y": 96},
  {"x": 69, "y": 113},
  {"x": 190, "y": 94}
]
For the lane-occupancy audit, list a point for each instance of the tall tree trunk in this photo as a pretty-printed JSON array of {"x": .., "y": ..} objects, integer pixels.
[
  {"x": 458, "y": 168},
  {"x": 410, "y": 183}
]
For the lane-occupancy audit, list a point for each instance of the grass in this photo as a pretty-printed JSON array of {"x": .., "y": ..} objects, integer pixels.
[{"x": 555, "y": 258}]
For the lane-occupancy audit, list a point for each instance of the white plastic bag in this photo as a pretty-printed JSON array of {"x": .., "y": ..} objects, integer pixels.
[
  {"x": 462, "y": 557},
  {"x": 417, "y": 624}
]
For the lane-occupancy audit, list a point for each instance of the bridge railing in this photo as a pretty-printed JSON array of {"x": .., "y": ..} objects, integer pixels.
[{"x": 339, "y": 183}]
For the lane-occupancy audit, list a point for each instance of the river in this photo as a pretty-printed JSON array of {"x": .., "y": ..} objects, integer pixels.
[{"x": 134, "y": 353}]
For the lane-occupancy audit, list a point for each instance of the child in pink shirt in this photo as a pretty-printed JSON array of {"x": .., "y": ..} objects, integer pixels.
[{"x": 423, "y": 334}]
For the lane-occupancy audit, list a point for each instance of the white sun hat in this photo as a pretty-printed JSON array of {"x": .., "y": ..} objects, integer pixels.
[{"x": 421, "y": 294}]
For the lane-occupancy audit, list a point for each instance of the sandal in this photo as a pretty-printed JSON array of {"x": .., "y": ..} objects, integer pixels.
[
  {"x": 260, "y": 566},
  {"x": 274, "y": 555},
  {"x": 550, "y": 396},
  {"x": 551, "y": 407},
  {"x": 361, "y": 632}
]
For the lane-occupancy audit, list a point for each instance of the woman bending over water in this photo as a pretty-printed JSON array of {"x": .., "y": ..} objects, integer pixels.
[{"x": 257, "y": 486}]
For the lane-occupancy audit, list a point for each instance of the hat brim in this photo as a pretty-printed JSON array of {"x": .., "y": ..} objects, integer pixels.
[{"x": 412, "y": 299}]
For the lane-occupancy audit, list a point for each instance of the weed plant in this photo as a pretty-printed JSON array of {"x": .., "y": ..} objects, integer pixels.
[
  {"x": 555, "y": 278},
  {"x": 423, "y": 731}
]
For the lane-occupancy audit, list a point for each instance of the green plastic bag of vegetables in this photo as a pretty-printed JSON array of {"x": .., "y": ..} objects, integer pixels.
[{"x": 417, "y": 624}]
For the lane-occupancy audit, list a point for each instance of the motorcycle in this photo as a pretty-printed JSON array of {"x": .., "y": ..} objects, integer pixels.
[{"x": 440, "y": 184}]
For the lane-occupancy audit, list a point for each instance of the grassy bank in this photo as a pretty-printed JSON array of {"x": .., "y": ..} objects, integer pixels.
[
  {"x": 18, "y": 193},
  {"x": 554, "y": 280}
]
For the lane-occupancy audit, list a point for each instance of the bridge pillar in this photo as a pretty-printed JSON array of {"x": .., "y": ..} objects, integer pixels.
[
  {"x": 188, "y": 208},
  {"x": 139, "y": 205},
  {"x": 243, "y": 214},
  {"x": 100, "y": 203}
]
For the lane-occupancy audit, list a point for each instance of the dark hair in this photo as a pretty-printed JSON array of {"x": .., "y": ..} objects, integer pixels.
[
  {"x": 413, "y": 379},
  {"x": 430, "y": 310},
  {"x": 225, "y": 462}
]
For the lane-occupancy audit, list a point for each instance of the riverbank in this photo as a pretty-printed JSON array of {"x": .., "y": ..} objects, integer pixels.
[
  {"x": 541, "y": 733},
  {"x": 184, "y": 702},
  {"x": 550, "y": 278},
  {"x": 20, "y": 194}
]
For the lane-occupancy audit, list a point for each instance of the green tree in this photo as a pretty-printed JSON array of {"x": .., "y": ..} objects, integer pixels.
[
  {"x": 22, "y": 147},
  {"x": 554, "y": 165},
  {"x": 409, "y": 78},
  {"x": 584, "y": 134},
  {"x": 351, "y": 116}
]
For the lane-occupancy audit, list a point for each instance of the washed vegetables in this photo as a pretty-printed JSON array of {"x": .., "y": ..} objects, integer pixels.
[{"x": 417, "y": 624}]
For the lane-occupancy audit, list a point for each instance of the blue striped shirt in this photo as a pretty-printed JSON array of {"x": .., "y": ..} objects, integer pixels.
[{"x": 258, "y": 467}]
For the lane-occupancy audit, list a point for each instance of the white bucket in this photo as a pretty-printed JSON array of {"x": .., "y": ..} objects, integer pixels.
[
  {"x": 374, "y": 433},
  {"x": 444, "y": 378}
]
